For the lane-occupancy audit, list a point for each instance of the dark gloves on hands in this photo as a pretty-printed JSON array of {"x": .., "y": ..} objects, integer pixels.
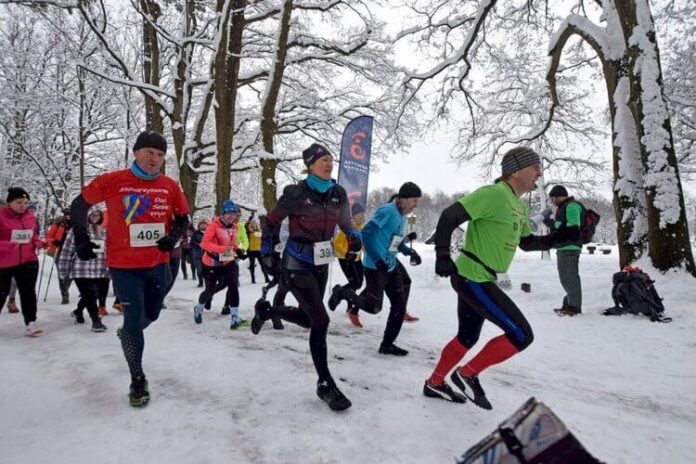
[
  {"x": 166, "y": 243},
  {"x": 240, "y": 254},
  {"x": 272, "y": 263},
  {"x": 415, "y": 258},
  {"x": 85, "y": 249},
  {"x": 411, "y": 237},
  {"x": 444, "y": 266},
  {"x": 354, "y": 243}
]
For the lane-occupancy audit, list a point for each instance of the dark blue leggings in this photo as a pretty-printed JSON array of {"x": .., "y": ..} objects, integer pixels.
[
  {"x": 485, "y": 301},
  {"x": 141, "y": 292}
]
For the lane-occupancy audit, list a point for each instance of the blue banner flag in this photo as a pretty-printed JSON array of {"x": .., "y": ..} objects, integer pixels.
[{"x": 354, "y": 168}]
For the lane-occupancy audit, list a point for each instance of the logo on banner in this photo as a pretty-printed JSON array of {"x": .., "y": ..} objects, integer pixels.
[
  {"x": 135, "y": 206},
  {"x": 354, "y": 197},
  {"x": 356, "y": 150}
]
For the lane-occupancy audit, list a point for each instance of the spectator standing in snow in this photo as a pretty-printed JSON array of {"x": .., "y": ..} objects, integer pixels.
[{"x": 568, "y": 218}]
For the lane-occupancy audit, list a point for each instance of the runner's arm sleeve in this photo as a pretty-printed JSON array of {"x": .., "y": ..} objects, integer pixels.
[
  {"x": 369, "y": 243},
  {"x": 270, "y": 234},
  {"x": 450, "y": 219},
  {"x": 79, "y": 211},
  {"x": 403, "y": 248},
  {"x": 536, "y": 242},
  {"x": 243, "y": 239},
  {"x": 209, "y": 242}
]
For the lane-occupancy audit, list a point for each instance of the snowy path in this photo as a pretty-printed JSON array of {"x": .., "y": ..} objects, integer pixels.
[{"x": 624, "y": 386}]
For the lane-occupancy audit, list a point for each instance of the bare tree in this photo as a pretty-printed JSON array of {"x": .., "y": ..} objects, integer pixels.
[{"x": 647, "y": 189}]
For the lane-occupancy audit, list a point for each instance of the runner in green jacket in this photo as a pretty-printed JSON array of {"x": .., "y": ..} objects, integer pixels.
[{"x": 498, "y": 224}]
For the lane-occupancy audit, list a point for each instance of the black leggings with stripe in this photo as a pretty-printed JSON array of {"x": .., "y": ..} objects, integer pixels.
[{"x": 486, "y": 301}]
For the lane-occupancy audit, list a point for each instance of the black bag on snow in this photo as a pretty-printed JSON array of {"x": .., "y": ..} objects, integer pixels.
[
  {"x": 532, "y": 435},
  {"x": 634, "y": 293}
]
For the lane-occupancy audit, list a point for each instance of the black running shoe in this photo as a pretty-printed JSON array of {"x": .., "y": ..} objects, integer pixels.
[
  {"x": 329, "y": 392},
  {"x": 98, "y": 326},
  {"x": 335, "y": 298},
  {"x": 261, "y": 315},
  {"x": 139, "y": 394},
  {"x": 443, "y": 392},
  {"x": 479, "y": 398},
  {"x": 278, "y": 324},
  {"x": 392, "y": 349},
  {"x": 78, "y": 316}
]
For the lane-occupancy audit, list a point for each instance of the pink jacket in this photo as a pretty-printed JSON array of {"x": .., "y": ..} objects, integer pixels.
[{"x": 12, "y": 252}]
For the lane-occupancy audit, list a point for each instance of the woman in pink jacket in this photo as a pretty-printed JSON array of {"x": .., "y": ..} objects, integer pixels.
[{"x": 19, "y": 240}]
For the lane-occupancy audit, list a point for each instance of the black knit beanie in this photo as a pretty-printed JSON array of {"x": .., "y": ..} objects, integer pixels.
[
  {"x": 518, "y": 158},
  {"x": 356, "y": 208},
  {"x": 16, "y": 192},
  {"x": 150, "y": 139},
  {"x": 313, "y": 153},
  {"x": 558, "y": 191},
  {"x": 410, "y": 190}
]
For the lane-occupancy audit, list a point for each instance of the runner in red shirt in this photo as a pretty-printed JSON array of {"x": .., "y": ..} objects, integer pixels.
[{"x": 141, "y": 203}]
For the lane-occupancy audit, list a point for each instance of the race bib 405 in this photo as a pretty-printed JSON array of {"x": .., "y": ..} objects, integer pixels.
[{"x": 145, "y": 235}]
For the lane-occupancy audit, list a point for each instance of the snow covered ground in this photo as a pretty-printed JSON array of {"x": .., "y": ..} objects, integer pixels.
[{"x": 623, "y": 385}]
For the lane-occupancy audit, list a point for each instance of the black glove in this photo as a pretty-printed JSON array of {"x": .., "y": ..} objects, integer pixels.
[
  {"x": 166, "y": 243},
  {"x": 412, "y": 236},
  {"x": 84, "y": 250},
  {"x": 240, "y": 254},
  {"x": 58, "y": 243},
  {"x": 354, "y": 243},
  {"x": 415, "y": 258},
  {"x": 272, "y": 264},
  {"x": 382, "y": 266},
  {"x": 566, "y": 234},
  {"x": 444, "y": 266}
]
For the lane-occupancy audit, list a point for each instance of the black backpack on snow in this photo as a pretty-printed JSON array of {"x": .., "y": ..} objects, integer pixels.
[{"x": 634, "y": 293}]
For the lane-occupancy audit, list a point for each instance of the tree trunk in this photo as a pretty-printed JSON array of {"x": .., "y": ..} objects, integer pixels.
[
  {"x": 268, "y": 124},
  {"x": 668, "y": 234},
  {"x": 226, "y": 77},
  {"x": 151, "y": 64}
]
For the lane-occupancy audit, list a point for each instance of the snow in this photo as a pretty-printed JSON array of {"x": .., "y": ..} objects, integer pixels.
[{"x": 623, "y": 385}]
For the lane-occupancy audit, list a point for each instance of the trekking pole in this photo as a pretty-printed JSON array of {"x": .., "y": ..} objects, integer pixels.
[
  {"x": 48, "y": 283},
  {"x": 43, "y": 266}
]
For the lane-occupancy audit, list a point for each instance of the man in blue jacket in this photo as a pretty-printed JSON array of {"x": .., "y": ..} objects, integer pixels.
[{"x": 383, "y": 237}]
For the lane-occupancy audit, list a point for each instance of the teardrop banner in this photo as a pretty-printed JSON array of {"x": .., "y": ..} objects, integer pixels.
[{"x": 354, "y": 167}]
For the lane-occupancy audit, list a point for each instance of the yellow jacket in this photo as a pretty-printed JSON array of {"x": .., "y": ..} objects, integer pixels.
[
  {"x": 254, "y": 237},
  {"x": 340, "y": 244}
]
